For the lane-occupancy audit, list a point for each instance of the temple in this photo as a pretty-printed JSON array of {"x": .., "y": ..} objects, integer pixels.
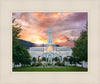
[{"x": 50, "y": 51}]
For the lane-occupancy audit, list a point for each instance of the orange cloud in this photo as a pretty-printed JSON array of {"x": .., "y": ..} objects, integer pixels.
[
  {"x": 67, "y": 13},
  {"x": 60, "y": 39},
  {"x": 34, "y": 35},
  {"x": 22, "y": 18},
  {"x": 56, "y": 15},
  {"x": 35, "y": 26},
  {"x": 40, "y": 16}
]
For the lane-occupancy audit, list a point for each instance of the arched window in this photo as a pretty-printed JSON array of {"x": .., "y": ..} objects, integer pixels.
[
  {"x": 39, "y": 59},
  {"x": 49, "y": 49}
]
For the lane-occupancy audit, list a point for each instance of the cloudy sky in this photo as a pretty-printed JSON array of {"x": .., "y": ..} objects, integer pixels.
[{"x": 66, "y": 26}]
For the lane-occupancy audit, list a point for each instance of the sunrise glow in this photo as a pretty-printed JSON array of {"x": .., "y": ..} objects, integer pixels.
[
  {"x": 63, "y": 24},
  {"x": 38, "y": 42},
  {"x": 56, "y": 15}
]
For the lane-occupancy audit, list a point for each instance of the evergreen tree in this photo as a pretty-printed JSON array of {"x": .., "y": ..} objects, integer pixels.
[
  {"x": 43, "y": 59},
  {"x": 56, "y": 59},
  {"x": 65, "y": 59},
  {"x": 80, "y": 49},
  {"x": 20, "y": 54},
  {"x": 16, "y": 47},
  {"x": 71, "y": 60},
  {"x": 34, "y": 59}
]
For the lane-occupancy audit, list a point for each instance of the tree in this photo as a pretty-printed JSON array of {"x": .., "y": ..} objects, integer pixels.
[
  {"x": 71, "y": 60},
  {"x": 34, "y": 59},
  {"x": 16, "y": 47},
  {"x": 43, "y": 59},
  {"x": 56, "y": 59},
  {"x": 74, "y": 60},
  {"x": 25, "y": 56},
  {"x": 80, "y": 49},
  {"x": 65, "y": 59},
  {"x": 53, "y": 59},
  {"x": 20, "y": 54}
]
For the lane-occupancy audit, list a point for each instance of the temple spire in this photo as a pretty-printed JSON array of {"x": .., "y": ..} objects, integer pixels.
[{"x": 50, "y": 40}]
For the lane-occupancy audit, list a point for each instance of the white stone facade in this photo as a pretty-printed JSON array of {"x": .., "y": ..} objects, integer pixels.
[{"x": 50, "y": 50}]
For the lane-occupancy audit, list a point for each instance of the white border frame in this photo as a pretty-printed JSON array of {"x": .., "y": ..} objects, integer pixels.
[{"x": 9, "y": 77}]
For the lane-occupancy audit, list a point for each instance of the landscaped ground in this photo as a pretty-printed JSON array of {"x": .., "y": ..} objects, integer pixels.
[{"x": 49, "y": 69}]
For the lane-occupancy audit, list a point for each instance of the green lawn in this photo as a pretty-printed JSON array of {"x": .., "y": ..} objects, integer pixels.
[{"x": 49, "y": 69}]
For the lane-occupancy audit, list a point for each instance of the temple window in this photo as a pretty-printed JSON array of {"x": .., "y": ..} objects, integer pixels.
[{"x": 49, "y": 49}]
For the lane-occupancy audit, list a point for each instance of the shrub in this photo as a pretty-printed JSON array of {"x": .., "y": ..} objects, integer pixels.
[
  {"x": 34, "y": 59},
  {"x": 43, "y": 58},
  {"x": 59, "y": 64},
  {"x": 49, "y": 64},
  {"x": 39, "y": 64},
  {"x": 34, "y": 64}
]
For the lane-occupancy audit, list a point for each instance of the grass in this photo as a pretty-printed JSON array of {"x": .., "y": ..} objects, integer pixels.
[{"x": 50, "y": 69}]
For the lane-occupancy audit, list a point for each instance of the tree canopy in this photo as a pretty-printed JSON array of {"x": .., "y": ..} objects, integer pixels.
[
  {"x": 56, "y": 59},
  {"x": 34, "y": 59},
  {"x": 81, "y": 46},
  {"x": 43, "y": 58},
  {"x": 20, "y": 54}
]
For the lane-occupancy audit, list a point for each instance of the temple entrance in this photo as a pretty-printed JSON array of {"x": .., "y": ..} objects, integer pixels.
[{"x": 49, "y": 58}]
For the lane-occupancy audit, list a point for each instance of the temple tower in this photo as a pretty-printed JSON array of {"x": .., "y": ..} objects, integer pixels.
[{"x": 50, "y": 40}]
